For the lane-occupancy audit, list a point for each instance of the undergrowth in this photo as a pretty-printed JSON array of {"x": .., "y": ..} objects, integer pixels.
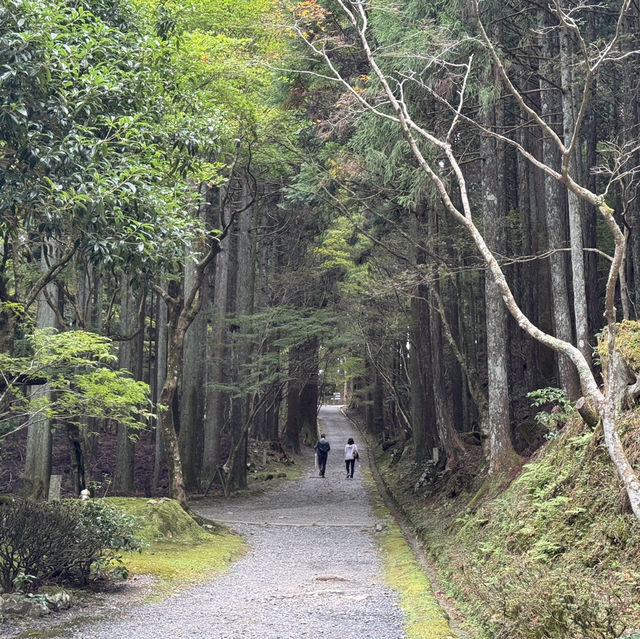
[{"x": 552, "y": 554}]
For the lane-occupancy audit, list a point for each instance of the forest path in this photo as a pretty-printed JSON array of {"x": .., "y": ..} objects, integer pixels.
[{"x": 313, "y": 568}]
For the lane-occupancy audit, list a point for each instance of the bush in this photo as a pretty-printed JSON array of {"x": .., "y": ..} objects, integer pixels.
[{"x": 61, "y": 541}]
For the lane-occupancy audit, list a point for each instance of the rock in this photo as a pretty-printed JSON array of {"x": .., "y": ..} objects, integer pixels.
[
  {"x": 38, "y": 609},
  {"x": 22, "y": 605},
  {"x": 59, "y": 600}
]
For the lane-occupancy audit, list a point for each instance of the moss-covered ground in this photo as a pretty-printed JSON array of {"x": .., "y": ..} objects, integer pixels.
[
  {"x": 550, "y": 551},
  {"x": 177, "y": 549},
  {"x": 425, "y": 618}
]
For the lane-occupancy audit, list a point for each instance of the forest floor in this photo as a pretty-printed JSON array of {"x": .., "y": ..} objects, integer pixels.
[{"x": 325, "y": 559}]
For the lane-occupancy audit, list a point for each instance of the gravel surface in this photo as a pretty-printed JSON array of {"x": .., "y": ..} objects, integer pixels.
[{"x": 312, "y": 570}]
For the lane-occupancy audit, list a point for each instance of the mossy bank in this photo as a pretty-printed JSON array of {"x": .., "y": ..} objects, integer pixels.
[
  {"x": 550, "y": 551},
  {"x": 178, "y": 548}
]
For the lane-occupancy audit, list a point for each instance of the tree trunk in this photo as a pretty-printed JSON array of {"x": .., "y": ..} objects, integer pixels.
[
  {"x": 569, "y": 98},
  {"x": 631, "y": 192},
  {"x": 302, "y": 396},
  {"x": 377, "y": 424},
  {"x": 81, "y": 439},
  {"x": 272, "y": 419},
  {"x": 291, "y": 433},
  {"x": 217, "y": 349},
  {"x": 556, "y": 233},
  {"x": 181, "y": 312},
  {"x": 161, "y": 375},
  {"x": 192, "y": 397},
  {"x": 238, "y": 257},
  {"x": 501, "y": 453},
  {"x": 177, "y": 329},
  {"x": 420, "y": 369},
  {"x": 309, "y": 394},
  {"x": 96, "y": 325},
  {"x": 127, "y": 359},
  {"x": 77, "y": 458},
  {"x": 211, "y": 421},
  {"x": 423, "y": 412},
  {"x": 37, "y": 467}
]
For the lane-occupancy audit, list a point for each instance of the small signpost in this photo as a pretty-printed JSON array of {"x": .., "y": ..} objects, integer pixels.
[{"x": 55, "y": 484}]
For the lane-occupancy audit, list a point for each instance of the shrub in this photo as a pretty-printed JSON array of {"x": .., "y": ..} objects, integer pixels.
[{"x": 61, "y": 541}]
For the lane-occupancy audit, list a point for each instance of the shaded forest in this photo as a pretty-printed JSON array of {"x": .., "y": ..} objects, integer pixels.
[{"x": 217, "y": 214}]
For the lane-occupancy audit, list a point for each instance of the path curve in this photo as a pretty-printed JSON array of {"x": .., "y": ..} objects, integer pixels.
[{"x": 313, "y": 568}]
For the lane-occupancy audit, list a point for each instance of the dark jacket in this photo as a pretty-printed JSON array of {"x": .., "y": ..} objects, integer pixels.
[{"x": 322, "y": 446}]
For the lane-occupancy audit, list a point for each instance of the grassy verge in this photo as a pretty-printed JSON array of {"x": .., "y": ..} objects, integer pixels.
[{"x": 425, "y": 618}]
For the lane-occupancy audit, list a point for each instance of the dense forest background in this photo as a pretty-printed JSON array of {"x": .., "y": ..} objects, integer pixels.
[{"x": 215, "y": 214}]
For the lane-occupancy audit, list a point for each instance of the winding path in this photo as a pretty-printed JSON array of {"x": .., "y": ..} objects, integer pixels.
[{"x": 313, "y": 568}]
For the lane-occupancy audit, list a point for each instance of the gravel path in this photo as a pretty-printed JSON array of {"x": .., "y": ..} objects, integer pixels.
[{"x": 312, "y": 570}]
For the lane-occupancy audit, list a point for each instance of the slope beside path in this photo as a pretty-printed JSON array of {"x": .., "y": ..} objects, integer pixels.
[{"x": 313, "y": 568}]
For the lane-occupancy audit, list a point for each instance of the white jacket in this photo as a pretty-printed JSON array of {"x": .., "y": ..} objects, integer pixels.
[{"x": 349, "y": 449}]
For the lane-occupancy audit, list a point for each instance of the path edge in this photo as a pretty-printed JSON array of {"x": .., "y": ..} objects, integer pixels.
[{"x": 416, "y": 545}]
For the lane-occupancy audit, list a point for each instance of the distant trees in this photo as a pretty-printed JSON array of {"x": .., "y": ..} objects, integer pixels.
[{"x": 466, "y": 97}]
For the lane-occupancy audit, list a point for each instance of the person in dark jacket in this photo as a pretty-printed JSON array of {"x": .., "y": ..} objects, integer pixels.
[{"x": 322, "y": 451}]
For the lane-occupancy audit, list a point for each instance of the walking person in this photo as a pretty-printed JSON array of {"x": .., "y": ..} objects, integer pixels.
[
  {"x": 322, "y": 452},
  {"x": 350, "y": 456}
]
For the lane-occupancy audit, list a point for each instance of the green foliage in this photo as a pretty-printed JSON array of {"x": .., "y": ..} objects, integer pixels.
[
  {"x": 560, "y": 409},
  {"x": 59, "y": 541},
  {"x": 100, "y": 141},
  {"x": 556, "y": 605},
  {"x": 273, "y": 333},
  {"x": 75, "y": 365}
]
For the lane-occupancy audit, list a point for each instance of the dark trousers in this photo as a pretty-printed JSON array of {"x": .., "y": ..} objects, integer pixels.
[
  {"x": 350, "y": 466},
  {"x": 322, "y": 463}
]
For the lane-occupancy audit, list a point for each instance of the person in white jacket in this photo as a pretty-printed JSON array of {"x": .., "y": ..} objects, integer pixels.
[{"x": 350, "y": 456}]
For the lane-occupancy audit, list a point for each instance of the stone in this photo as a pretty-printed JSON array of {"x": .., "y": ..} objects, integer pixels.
[
  {"x": 55, "y": 485},
  {"x": 59, "y": 600}
]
